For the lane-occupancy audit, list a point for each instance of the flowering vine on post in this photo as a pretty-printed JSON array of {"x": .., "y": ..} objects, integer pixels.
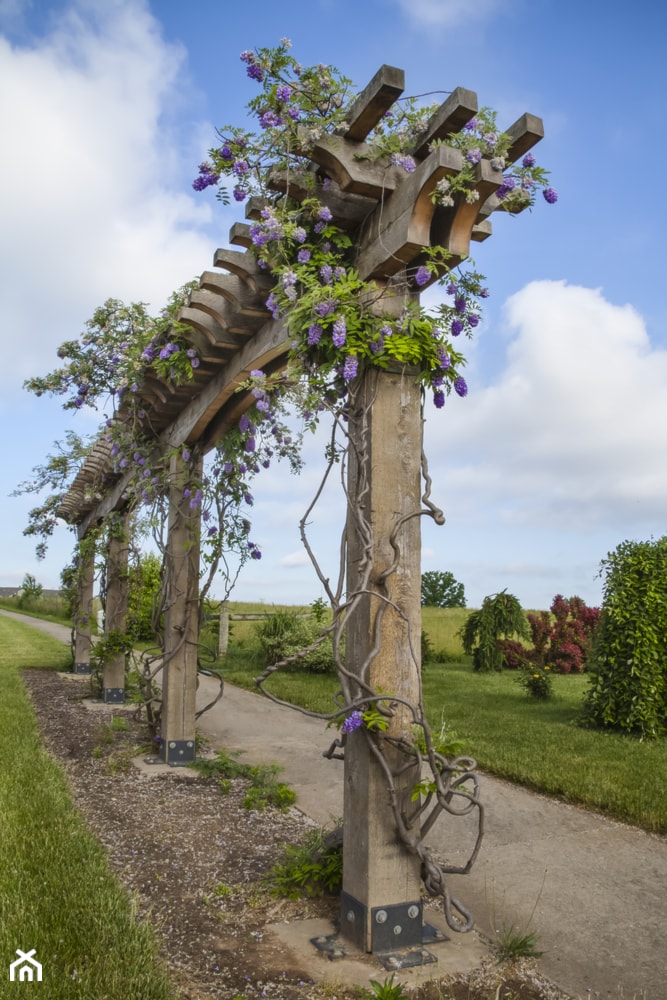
[{"x": 355, "y": 206}]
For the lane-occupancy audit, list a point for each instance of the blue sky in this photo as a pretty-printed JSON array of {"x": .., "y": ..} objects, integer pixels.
[{"x": 559, "y": 451}]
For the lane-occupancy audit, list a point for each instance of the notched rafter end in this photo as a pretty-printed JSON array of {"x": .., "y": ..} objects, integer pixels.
[{"x": 374, "y": 100}]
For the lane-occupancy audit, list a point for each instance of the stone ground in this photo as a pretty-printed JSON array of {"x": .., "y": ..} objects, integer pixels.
[{"x": 196, "y": 861}]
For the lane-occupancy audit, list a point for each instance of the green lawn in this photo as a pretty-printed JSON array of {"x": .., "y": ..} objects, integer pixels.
[
  {"x": 537, "y": 744},
  {"x": 57, "y": 892}
]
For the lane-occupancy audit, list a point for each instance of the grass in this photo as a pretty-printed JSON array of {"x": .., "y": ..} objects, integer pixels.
[
  {"x": 50, "y": 609},
  {"x": 57, "y": 893},
  {"x": 534, "y": 743}
]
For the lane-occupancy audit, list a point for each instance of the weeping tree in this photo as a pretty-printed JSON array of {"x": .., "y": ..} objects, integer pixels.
[{"x": 500, "y": 617}]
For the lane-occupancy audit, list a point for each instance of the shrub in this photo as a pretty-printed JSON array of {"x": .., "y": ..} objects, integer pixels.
[
  {"x": 537, "y": 681},
  {"x": 286, "y": 633},
  {"x": 629, "y": 661},
  {"x": 500, "y": 616},
  {"x": 145, "y": 582}
]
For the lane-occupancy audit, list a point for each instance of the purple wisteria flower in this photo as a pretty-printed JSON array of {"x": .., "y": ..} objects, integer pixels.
[
  {"x": 473, "y": 319},
  {"x": 461, "y": 387},
  {"x": 354, "y": 721},
  {"x": 456, "y": 327},
  {"x": 460, "y": 303},
  {"x": 326, "y": 273},
  {"x": 284, "y": 92},
  {"x": 314, "y": 334},
  {"x": 339, "y": 334},
  {"x": 474, "y": 155},
  {"x": 325, "y": 214},
  {"x": 406, "y": 163},
  {"x": 443, "y": 358},
  {"x": 240, "y": 194},
  {"x": 528, "y": 160},
  {"x": 550, "y": 196},
  {"x": 300, "y": 234},
  {"x": 207, "y": 177},
  {"x": 270, "y": 119},
  {"x": 422, "y": 276},
  {"x": 272, "y": 306},
  {"x": 303, "y": 256},
  {"x": 325, "y": 308},
  {"x": 507, "y": 185},
  {"x": 350, "y": 367},
  {"x": 439, "y": 398}
]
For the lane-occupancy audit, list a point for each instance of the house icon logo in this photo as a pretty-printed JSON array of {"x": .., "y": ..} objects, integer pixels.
[{"x": 25, "y": 968}]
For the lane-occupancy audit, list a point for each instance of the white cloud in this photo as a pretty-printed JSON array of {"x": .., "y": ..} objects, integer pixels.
[
  {"x": 92, "y": 191},
  {"x": 447, "y": 13},
  {"x": 573, "y": 432}
]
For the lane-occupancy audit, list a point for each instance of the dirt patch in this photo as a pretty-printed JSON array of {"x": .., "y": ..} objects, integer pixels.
[{"x": 195, "y": 860}]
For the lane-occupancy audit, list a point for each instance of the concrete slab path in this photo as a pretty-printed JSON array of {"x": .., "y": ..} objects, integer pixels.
[{"x": 594, "y": 890}]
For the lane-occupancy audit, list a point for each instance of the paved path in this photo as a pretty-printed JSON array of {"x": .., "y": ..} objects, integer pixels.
[{"x": 598, "y": 888}]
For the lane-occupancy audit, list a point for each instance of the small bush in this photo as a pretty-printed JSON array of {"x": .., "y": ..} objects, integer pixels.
[
  {"x": 309, "y": 869},
  {"x": 286, "y": 634},
  {"x": 537, "y": 681}
]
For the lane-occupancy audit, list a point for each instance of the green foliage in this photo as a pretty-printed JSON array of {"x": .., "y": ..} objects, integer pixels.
[
  {"x": 500, "y": 616},
  {"x": 512, "y": 945},
  {"x": 30, "y": 592},
  {"x": 537, "y": 681},
  {"x": 265, "y": 790},
  {"x": 56, "y": 474},
  {"x": 387, "y": 990},
  {"x": 308, "y": 869},
  {"x": 628, "y": 669},
  {"x": 441, "y": 590},
  {"x": 145, "y": 581},
  {"x": 286, "y": 633}
]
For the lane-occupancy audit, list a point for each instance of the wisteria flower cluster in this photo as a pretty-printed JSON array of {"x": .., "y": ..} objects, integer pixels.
[
  {"x": 119, "y": 348},
  {"x": 519, "y": 182}
]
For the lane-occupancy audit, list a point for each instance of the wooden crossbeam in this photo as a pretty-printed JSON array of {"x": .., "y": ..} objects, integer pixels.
[
  {"x": 451, "y": 116},
  {"x": 374, "y": 100}
]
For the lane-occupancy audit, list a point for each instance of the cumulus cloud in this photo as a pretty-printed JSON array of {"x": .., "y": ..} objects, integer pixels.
[
  {"x": 447, "y": 13},
  {"x": 92, "y": 187},
  {"x": 573, "y": 431}
]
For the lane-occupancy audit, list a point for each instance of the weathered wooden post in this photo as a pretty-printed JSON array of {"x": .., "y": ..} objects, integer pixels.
[
  {"x": 381, "y": 908},
  {"x": 113, "y": 679},
  {"x": 84, "y": 608},
  {"x": 181, "y": 621}
]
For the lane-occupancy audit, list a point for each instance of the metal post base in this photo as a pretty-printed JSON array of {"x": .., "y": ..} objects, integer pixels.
[
  {"x": 177, "y": 753},
  {"x": 81, "y": 668},
  {"x": 390, "y": 928},
  {"x": 113, "y": 696}
]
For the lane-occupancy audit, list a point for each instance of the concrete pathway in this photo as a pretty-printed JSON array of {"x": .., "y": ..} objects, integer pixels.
[{"x": 594, "y": 890}]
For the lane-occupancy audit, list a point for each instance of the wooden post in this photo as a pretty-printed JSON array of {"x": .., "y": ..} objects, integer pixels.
[
  {"x": 113, "y": 681},
  {"x": 84, "y": 609},
  {"x": 380, "y": 903},
  {"x": 223, "y": 630},
  {"x": 181, "y": 622}
]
